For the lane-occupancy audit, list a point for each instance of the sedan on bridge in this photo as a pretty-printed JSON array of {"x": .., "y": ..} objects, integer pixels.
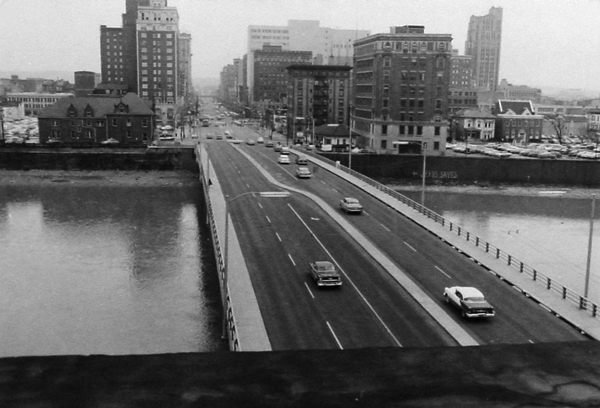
[
  {"x": 324, "y": 273},
  {"x": 283, "y": 159},
  {"x": 303, "y": 172},
  {"x": 351, "y": 205},
  {"x": 469, "y": 301}
]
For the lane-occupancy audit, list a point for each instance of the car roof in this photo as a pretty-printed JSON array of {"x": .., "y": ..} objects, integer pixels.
[
  {"x": 468, "y": 291},
  {"x": 351, "y": 199},
  {"x": 323, "y": 265}
]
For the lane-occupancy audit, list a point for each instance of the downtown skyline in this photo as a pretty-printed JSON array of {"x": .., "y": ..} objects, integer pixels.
[{"x": 545, "y": 43}]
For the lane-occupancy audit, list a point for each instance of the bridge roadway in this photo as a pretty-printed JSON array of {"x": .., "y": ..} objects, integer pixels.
[{"x": 391, "y": 301}]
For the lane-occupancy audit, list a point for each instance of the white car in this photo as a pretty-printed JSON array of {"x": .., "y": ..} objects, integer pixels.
[
  {"x": 351, "y": 205},
  {"x": 283, "y": 159},
  {"x": 260, "y": 140},
  {"x": 303, "y": 172},
  {"x": 469, "y": 301}
]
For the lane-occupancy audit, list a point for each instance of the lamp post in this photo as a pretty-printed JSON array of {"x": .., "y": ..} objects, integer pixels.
[
  {"x": 269, "y": 194},
  {"x": 589, "y": 255},
  {"x": 424, "y": 151}
]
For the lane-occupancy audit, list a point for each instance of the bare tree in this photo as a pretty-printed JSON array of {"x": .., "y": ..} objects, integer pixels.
[{"x": 557, "y": 122}]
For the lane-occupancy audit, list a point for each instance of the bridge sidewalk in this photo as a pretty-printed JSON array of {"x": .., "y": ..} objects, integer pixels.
[{"x": 550, "y": 300}]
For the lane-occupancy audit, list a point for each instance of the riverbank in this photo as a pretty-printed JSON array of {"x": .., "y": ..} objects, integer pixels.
[
  {"x": 98, "y": 178},
  {"x": 502, "y": 189}
]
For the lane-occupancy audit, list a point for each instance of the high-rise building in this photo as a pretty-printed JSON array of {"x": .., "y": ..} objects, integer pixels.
[
  {"x": 401, "y": 83},
  {"x": 328, "y": 46},
  {"x": 149, "y": 55},
  {"x": 483, "y": 45},
  {"x": 318, "y": 95},
  {"x": 462, "y": 93}
]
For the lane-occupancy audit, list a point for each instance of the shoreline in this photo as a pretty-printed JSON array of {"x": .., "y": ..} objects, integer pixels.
[{"x": 98, "y": 178}]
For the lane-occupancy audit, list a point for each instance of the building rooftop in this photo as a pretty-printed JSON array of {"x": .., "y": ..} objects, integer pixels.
[{"x": 101, "y": 105}]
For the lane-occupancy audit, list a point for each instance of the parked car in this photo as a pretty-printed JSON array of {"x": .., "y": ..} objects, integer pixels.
[
  {"x": 250, "y": 142},
  {"x": 303, "y": 172},
  {"x": 260, "y": 140},
  {"x": 209, "y": 135},
  {"x": 278, "y": 147},
  {"x": 351, "y": 205},
  {"x": 469, "y": 301},
  {"x": 285, "y": 150},
  {"x": 269, "y": 143},
  {"x": 283, "y": 159},
  {"x": 324, "y": 273}
]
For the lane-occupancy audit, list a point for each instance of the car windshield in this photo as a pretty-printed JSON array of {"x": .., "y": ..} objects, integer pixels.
[
  {"x": 474, "y": 299},
  {"x": 351, "y": 201},
  {"x": 324, "y": 266}
]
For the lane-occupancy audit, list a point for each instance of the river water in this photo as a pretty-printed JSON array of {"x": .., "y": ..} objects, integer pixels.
[
  {"x": 106, "y": 270},
  {"x": 547, "y": 232}
]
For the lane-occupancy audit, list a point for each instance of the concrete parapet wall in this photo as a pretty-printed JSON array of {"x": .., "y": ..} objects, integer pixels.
[
  {"x": 96, "y": 159},
  {"x": 469, "y": 169}
]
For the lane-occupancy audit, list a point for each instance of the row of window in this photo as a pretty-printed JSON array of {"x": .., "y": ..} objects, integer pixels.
[
  {"x": 90, "y": 133},
  {"x": 156, "y": 35},
  {"x": 410, "y": 130},
  {"x": 416, "y": 46},
  {"x": 169, "y": 50},
  {"x": 99, "y": 123}
]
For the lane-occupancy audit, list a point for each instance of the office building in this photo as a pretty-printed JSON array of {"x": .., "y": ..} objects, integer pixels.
[
  {"x": 401, "y": 83},
  {"x": 317, "y": 95},
  {"x": 484, "y": 39},
  {"x": 328, "y": 46}
]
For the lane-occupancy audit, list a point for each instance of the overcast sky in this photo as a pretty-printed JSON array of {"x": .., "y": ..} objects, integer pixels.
[{"x": 544, "y": 43}]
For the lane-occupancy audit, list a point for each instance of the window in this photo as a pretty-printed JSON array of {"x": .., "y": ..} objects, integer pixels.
[
  {"x": 384, "y": 144},
  {"x": 114, "y": 123},
  {"x": 384, "y": 129},
  {"x": 436, "y": 130},
  {"x": 128, "y": 133},
  {"x": 419, "y": 130},
  {"x": 401, "y": 129},
  {"x": 99, "y": 123},
  {"x": 129, "y": 122},
  {"x": 144, "y": 122}
]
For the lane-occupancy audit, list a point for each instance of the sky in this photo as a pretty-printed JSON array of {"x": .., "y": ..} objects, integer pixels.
[{"x": 545, "y": 43}]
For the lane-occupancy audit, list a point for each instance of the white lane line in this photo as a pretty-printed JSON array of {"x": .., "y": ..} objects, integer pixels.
[
  {"x": 531, "y": 341},
  {"x": 347, "y": 278},
  {"x": 291, "y": 259},
  {"x": 309, "y": 291},
  {"x": 365, "y": 213},
  {"x": 334, "y": 336},
  {"x": 247, "y": 185},
  {"x": 408, "y": 245},
  {"x": 335, "y": 190},
  {"x": 385, "y": 227},
  {"x": 260, "y": 205},
  {"x": 278, "y": 237},
  {"x": 268, "y": 219},
  {"x": 449, "y": 277}
]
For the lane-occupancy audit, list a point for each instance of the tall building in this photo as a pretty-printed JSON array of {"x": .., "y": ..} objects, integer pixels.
[
  {"x": 401, "y": 83},
  {"x": 483, "y": 45},
  {"x": 462, "y": 93},
  {"x": 149, "y": 55},
  {"x": 328, "y": 46},
  {"x": 317, "y": 95},
  {"x": 270, "y": 75}
]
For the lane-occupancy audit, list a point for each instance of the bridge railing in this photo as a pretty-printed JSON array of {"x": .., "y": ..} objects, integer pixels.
[{"x": 565, "y": 292}]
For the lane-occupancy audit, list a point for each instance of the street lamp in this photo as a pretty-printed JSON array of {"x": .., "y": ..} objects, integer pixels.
[
  {"x": 268, "y": 194},
  {"x": 589, "y": 256}
]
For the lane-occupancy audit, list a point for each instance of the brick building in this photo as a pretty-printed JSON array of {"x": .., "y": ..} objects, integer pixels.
[
  {"x": 91, "y": 120},
  {"x": 401, "y": 82},
  {"x": 516, "y": 121},
  {"x": 317, "y": 95}
]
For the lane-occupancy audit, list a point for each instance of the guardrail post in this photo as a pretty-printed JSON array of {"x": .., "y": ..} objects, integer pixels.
[
  {"x": 459, "y": 231},
  {"x": 594, "y": 309},
  {"x": 477, "y": 241},
  {"x": 509, "y": 260},
  {"x": 497, "y": 253},
  {"x": 534, "y": 274},
  {"x": 582, "y": 303},
  {"x": 451, "y": 225},
  {"x": 564, "y": 292},
  {"x": 487, "y": 247},
  {"x": 521, "y": 268},
  {"x": 468, "y": 235},
  {"x": 549, "y": 283}
]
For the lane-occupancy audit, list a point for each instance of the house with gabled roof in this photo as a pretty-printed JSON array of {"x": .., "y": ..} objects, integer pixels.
[
  {"x": 516, "y": 121},
  {"x": 94, "y": 119},
  {"x": 474, "y": 124}
]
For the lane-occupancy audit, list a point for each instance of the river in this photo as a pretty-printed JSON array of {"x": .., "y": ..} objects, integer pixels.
[
  {"x": 106, "y": 270},
  {"x": 547, "y": 232}
]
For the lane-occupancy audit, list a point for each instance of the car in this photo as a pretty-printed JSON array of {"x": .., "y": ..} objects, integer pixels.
[
  {"x": 278, "y": 147},
  {"x": 303, "y": 172},
  {"x": 109, "y": 141},
  {"x": 227, "y": 133},
  {"x": 470, "y": 301},
  {"x": 269, "y": 143},
  {"x": 250, "y": 142},
  {"x": 302, "y": 160},
  {"x": 167, "y": 137},
  {"x": 283, "y": 159},
  {"x": 324, "y": 273},
  {"x": 285, "y": 150},
  {"x": 209, "y": 135},
  {"x": 260, "y": 140},
  {"x": 351, "y": 205},
  {"x": 194, "y": 136},
  {"x": 236, "y": 141}
]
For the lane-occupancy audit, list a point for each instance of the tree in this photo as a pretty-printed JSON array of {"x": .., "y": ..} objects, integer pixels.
[{"x": 557, "y": 122}]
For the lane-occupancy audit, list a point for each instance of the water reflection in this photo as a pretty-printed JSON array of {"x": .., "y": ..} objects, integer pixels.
[
  {"x": 103, "y": 270},
  {"x": 548, "y": 233}
]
